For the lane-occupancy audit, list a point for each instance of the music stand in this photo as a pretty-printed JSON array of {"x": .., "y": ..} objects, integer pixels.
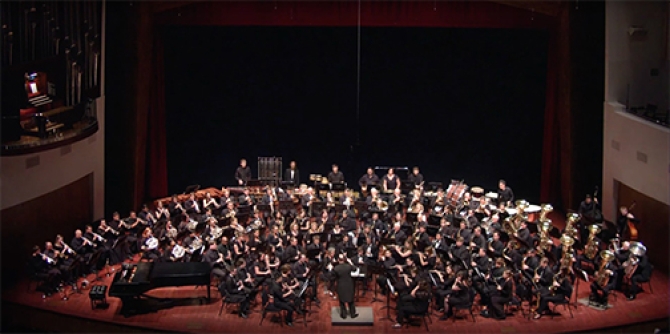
[
  {"x": 339, "y": 186},
  {"x": 388, "y": 299},
  {"x": 387, "y": 241},
  {"x": 286, "y": 184},
  {"x": 317, "y": 208},
  {"x": 580, "y": 275},
  {"x": 336, "y": 238},
  {"x": 412, "y": 217},
  {"x": 253, "y": 183},
  {"x": 432, "y": 230},
  {"x": 376, "y": 270},
  {"x": 265, "y": 209},
  {"x": 434, "y": 186},
  {"x": 339, "y": 208},
  {"x": 361, "y": 207},
  {"x": 406, "y": 186}
]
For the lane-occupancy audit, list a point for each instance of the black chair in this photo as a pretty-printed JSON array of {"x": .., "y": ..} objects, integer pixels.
[
  {"x": 566, "y": 304},
  {"x": 467, "y": 307},
  {"x": 267, "y": 307},
  {"x": 226, "y": 300},
  {"x": 422, "y": 317},
  {"x": 35, "y": 276}
]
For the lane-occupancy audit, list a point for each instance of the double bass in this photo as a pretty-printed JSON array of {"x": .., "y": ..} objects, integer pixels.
[{"x": 632, "y": 229}]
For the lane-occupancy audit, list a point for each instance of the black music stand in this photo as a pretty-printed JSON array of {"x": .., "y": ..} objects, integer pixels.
[
  {"x": 339, "y": 187},
  {"x": 339, "y": 208},
  {"x": 406, "y": 186},
  {"x": 376, "y": 270},
  {"x": 287, "y": 184},
  {"x": 253, "y": 183},
  {"x": 434, "y": 186},
  {"x": 361, "y": 208},
  {"x": 266, "y": 209},
  {"x": 412, "y": 217},
  {"x": 432, "y": 230},
  {"x": 387, "y": 241},
  {"x": 317, "y": 208},
  {"x": 286, "y": 207},
  {"x": 335, "y": 238},
  {"x": 388, "y": 299}
]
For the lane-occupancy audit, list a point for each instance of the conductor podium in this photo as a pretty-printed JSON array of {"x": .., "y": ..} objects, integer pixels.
[{"x": 365, "y": 317}]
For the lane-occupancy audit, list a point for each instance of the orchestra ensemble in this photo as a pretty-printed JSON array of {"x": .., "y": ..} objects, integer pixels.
[{"x": 442, "y": 249}]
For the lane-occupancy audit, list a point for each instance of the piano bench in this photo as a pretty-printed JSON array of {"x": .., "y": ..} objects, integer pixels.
[{"x": 98, "y": 296}]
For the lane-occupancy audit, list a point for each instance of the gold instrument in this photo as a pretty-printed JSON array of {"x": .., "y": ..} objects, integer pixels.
[
  {"x": 566, "y": 259},
  {"x": 592, "y": 245},
  {"x": 570, "y": 230},
  {"x": 545, "y": 227},
  {"x": 614, "y": 245},
  {"x": 416, "y": 206},
  {"x": 603, "y": 274},
  {"x": 545, "y": 210},
  {"x": 382, "y": 205},
  {"x": 636, "y": 249}
]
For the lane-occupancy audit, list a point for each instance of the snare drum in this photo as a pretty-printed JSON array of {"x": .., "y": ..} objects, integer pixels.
[
  {"x": 491, "y": 195},
  {"x": 533, "y": 212}
]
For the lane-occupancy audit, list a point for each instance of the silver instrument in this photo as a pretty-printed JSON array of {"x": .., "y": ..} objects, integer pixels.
[{"x": 178, "y": 252}]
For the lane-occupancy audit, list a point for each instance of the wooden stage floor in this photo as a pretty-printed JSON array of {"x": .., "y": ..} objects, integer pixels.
[{"x": 195, "y": 318}]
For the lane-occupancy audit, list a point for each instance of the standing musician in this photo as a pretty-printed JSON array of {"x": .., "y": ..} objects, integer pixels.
[
  {"x": 622, "y": 220},
  {"x": 416, "y": 178},
  {"x": 243, "y": 173},
  {"x": 414, "y": 303},
  {"x": 590, "y": 208},
  {"x": 390, "y": 181},
  {"x": 292, "y": 174},
  {"x": 505, "y": 193},
  {"x": 370, "y": 179},
  {"x": 345, "y": 287},
  {"x": 335, "y": 176}
]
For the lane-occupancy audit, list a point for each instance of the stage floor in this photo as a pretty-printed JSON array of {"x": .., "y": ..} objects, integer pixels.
[{"x": 194, "y": 318}]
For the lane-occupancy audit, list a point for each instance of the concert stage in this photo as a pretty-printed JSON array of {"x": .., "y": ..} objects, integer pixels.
[{"x": 28, "y": 310}]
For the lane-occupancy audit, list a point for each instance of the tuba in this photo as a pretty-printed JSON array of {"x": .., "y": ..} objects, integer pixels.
[
  {"x": 568, "y": 256},
  {"x": 603, "y": 274},
  {"x": 592, "y": 245},
  {"x": 382, "y": 205},
  {"x": 545, "y": 210},
  {"x": 570, "y": 230},
  {"x": 545, "y": 227},
  {"x": 637, "y": 249}
]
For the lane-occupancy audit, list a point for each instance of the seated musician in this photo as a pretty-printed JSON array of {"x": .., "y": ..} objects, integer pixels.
[
  {"x": 107, "y": 233},
  {"x": 229, "y": 211},
  {"x": 215, "y": 260},
  {"x": 177, "y": 251},
  {"x": 261, "y": 270},
  {"x": 240, "y": 246},
  {"x": 599, "y": 294},
  {"x": 561, "y": 290},
  {"x": 225, "y": 197},
  {"x": 427, "y": 259},
  {"x": 397, "y": 234},
  {"x": 55, "y": 260},
  {"x": 292, "y": 252},
  {"x": 194, "y": 246},
  {"x": 40, "y": 264},
  {"x": 210, "y": 203},
  {"x": 407, "y": 280},
  {"x": 459, "y": 296},
  {"x": 67, "y": 254},
  {"x": 82, "y": 246},
  {"x": 641, "y": 274},
  {"x": 149, "y": 245},
  {"x": 478, "y": 239},
  {"x": 243, "y": 173},
  {"x": 464, "y": 231},
  {"x": 439, "y": 244},
  {"x": 235, "y": 292},
  {"x": 437, "y": 203},
  {"x": 335, "y": 176},
  {"x": 246, "y": 198},
  {"x": 496, "y": 246},
  {"x": 494, "y": 222},
  {"x": 373, "y": 200},
  {"x": 161, "y": 213},
  {"x": 191, "y": 205},
  {"x": 347, "y": 200},
  {"x": 472, "y": 219},
  {"x": 370, "y": 179},
  {"x": 414, "y": 303},
  {"x": 302, "y": 272},
  {"x": 523, "y": 234},
  {"x": 330, "y": 202},
  {"x": 622, "y": 255},
  {"x": 390, "y": 181},
  {"x": 99, "y": 245},
  {"x": 505, "y": 193},
  {"x": 347, "y": 222},
  {"x": 390, "y": 270},
  {"x": 397, "y": 199},
  {"x": 380, "y": 227},
  {"x": 244, "y": 276},
  {"x": 184, "y": 223},
  {"x": 132, "y": 224},
  {"x": 291, "y": 283},
  {"x": 459, "y": 254},
  {"x": 308, "y": 198},
  {"x": 444, "y": 283},
  {"x": 146, "y": 216},
  {"x": 416, "y": 178},
  {"x": 175, "y": 208},
  {"x": 422, "y": 239},
  {"x": 501, "y": 296},
  {"x": 269, "y": 197},
  {"x": 280, "y": 299}
]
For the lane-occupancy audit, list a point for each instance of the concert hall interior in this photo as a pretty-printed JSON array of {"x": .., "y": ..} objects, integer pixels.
[{"x": 329, "y": 166}]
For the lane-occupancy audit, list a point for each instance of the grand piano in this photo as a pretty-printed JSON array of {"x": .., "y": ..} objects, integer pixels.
[{"x": 135, "y": 280}]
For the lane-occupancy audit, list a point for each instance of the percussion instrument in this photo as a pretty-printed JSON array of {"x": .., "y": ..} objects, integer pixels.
[
  {"x": 491, "y": 195},
  {"x": 477, "y": 192},
  {"x": 533, "y": 212},
  {"x": 511, "y": 211},
  {"x": 456, "y": 191}
]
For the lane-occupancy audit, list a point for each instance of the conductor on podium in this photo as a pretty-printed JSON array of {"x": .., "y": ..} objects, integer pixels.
[{"x": 345, "y": 286}]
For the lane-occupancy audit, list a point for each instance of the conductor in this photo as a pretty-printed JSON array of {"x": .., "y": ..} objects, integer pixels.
[{"x": 345, "y": 286}]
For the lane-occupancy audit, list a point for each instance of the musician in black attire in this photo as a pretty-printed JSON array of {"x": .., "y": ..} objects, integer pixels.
[
  {"x": 235, "y": 292},
  {"x": 497, "y": 246},
  {"x": 501, "y": 296},
  {"x": 280, "y": 299},
  {"x": 369, "y": 179},
  {"x": 414, "y": 303},
  {"x": 40, "y": 265},
  {"x": 622, "y": 220},
  {"x": 391, "y": 181},
  {"x": 243, "y": 173},
  {"x": 505, "y": 193},
  {"x": 345, "y": 287},
  {"x": 391, "y": 270},
  {"x": 459, "y": 253},
  {"x": 589, "y": 208},
  {"x": 191, "y": 205},
  {"x": 600, "y": 294},
  {"x": 563, "y": 291},
  {"x": 335, "y": 176},
  {"x": 461, "y": 294},
  {"x": 215, "y": 260},
  {"x": 415, "y": 177},
  {"x": 292, "y": 174},
  {"x": 347, "y": 223},
  {"x": 642, "y": 274}
]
